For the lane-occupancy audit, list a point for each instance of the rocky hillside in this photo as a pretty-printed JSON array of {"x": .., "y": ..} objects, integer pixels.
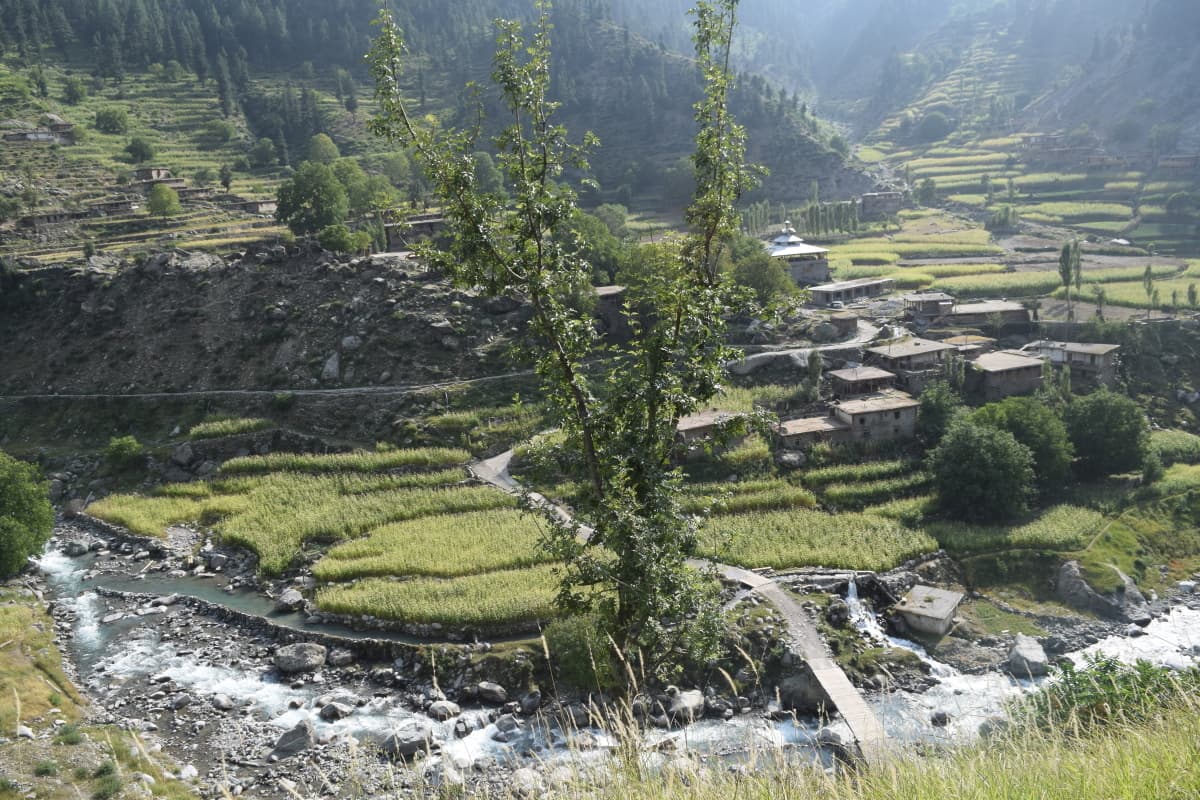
[{"x": 281, "y": 319}]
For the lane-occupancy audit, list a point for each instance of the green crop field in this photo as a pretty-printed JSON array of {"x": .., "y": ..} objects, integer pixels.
[
  {"x": 212, "y": 429},
  {"x": 783, "y": 540},
  {"x": 860, "y": 494},
  {"x": 866, "y": 471},
  {"x": 358, "y": 461},
  {"x": 746, "y": 496},
  {"x": 444, "y": 546},
  {"x": 1176, "y": 447},
  {"x": 1061, "y": 528},
  {"x": 490, "y": 599}
]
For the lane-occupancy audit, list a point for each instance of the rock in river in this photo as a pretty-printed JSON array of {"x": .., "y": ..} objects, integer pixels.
[
  {"x": 302, "y": 657},
  {"x": 492, "y": 692},
  {"x": 301, "y": 737},
  {"x": 1027, "y": 658}
]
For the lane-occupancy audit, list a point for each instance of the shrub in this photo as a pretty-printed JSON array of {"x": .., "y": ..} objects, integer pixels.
[
  {"x": 981, "y": 473},
  {"x": 124, "y": 452},
  {"x": 581, "y": 656},
  {"x": 1109, "y": 431},
  {"x": 26, "y": 518},
  {"x": 45, "y": 769},
  {"x": 112, "y": 120},
  {"x": 140, "y": 149}
]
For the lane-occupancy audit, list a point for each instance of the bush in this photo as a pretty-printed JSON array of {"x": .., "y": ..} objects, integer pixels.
[
  {"x": 1038, "y": 427},
  {"x": 981, "y": 473},
  {"x": 112, "y": 120},
  {"x": 1109, "y": 431},
  {"x": 45, "y": 769},
  {"x": 26, "y": 518},
  {"x": 581, "y": 656},
  {"x": 124, "y": 452},
  {"x": 140, "y": 149}
]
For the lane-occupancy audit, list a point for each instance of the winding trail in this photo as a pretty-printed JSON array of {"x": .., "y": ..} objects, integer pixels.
[{"x": 803, "y": 638}]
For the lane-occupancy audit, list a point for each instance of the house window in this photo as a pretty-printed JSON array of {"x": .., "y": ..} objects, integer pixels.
[
  {"x": 862, "y": 420},
  {"x": 897, "y": 414}
]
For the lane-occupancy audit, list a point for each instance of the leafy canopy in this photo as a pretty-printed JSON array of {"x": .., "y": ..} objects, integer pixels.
[
  {"x": 312, "y": 200},
  {"x": 26, "y": 518},
  {"x": 1040, "y": 428},
  {"x": 620, "y": 415},
  {"x": 1109, "y": 432},
  {"x": 981, "y": 473}
]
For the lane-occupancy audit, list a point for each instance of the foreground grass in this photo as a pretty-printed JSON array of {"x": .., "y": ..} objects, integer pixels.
[
  {"x": 216, "y": 428},
  {"x": 1059, "y": 528},
  {"x": 32, "y": 681},
  {"x": 1158, "y": 759}
]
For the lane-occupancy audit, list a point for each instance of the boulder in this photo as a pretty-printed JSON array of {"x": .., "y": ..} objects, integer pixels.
[
  {"x": 939, "y": 719},
  {"x": 183, "y": 454},
  {"x": 222, "y": 702},
  {"x": 413, "y": 737},
  {"x": 335, "y": 711},
  {"x": 188, "y": 773},
  {"x": 299, "y": 738},
  {"x": 801, "y": 692},
  {"x": 530, "y": 702},
  {"x": 290, "y": 600},
  {"x": 492, "y": 693},
  {"x": 442, "y": 710},
  {"x": 339, "y": 657},
  {"x": 1027, "y": 658},
  {"x": 24, "y": 732},
  {"x": 1124, "y": 605},
  {"x": 74, "y": 548},
  {"x": 351, "y": 343},
  {"x": 332, "y": 369},
  {"x": 302, "y": 657},
  {"x": 526, "y": 782}
]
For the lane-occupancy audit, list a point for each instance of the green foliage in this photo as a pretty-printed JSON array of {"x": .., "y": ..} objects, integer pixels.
[
  {"x": 140, "y": 149},
  {"x": 940, "y": 403},
  {"x": 1106, "y": 692},
  {"x": 112, "y": 120},
  {"x": 164, "y": 201},
  {"x": 322, "y": 150},
  {"x": 765, "y": 276},
  {"x": 312, "y": 200},
  {"x": 75, "y": 90},
  {"x": 26, "y": 518},
  {"x": 632, "y": 569},
  {"x": 1040, "y": 428},
  {"x": 927, "y": 192},
  {"x": 215, "y": 428},
  {"x": 981, "y": 473},
  {"x": 45, "y": 769},
  {"x": 263, "y": 154},
  {"x": 1175, "y": 447},
  {"x": 934, "y": 127},
  {"x": 1109, "y": 432},
  {"x": 581, "y": 655},
  {"x": 857, "y": 472},
  {"x": 124, "y": 452}
]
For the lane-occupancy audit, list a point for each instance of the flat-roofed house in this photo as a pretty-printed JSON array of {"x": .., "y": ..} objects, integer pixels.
[
  {"x": 880, "y": 205},
  {"x": 925, "y": 305},
  {"x": 1089, "y": 363},
  {"x": 806, "y": 263},
  {"x": 987, "y": 313},
  {"x": 798, "y": 434},
  {"x": 851, "y": 291},
  {"x": 879, "y": 417},
  {"x": 970, "y": 346},
  {"x": 703, "y": 425},
  {"x": 1006, "y": 373},
  {"x": 914, "y": 361},
  {"x": 860, "y": 380}
]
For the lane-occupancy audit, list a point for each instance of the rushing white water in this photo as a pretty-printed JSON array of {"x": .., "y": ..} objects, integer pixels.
[{"x": 1172, "y": 641}]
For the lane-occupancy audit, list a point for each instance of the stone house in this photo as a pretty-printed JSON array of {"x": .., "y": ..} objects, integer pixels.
[
  {"x": 703, "y": 425},
  {"x": 914, "y": 361},
  {"x": 1004, "y": 374},
  {"x": 880, "y": 205},
  {"x": 860, "y": 380},
  {"x": 880, "y": 417},
  {"x": 1094, "y": 364},
  {"x": 986, "y": 314},
  {"x": 151, "y": 174},
  {"x": 927, "y": 305}
]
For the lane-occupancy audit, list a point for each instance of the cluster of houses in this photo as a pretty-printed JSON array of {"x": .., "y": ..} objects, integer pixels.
[
  {"x": 1057, "y": 149},
  {"x": 53, "y": 130},
  {"x": 876, "y": 401},
  {"x": 133, "y": 195}
]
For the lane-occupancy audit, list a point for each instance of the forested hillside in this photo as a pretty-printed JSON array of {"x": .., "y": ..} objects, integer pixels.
[{"x": 273, "y": 61}]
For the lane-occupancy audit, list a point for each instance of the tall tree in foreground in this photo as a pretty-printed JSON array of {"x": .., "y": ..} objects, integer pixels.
[
  {"x": 620, "y": 416},
  {"x": 1068, "y": 271}
]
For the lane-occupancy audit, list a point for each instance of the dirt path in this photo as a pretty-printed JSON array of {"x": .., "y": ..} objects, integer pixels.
[{"x": 803, "y": 638}]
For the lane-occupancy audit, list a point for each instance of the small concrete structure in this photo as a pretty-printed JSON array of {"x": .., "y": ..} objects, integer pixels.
[
  {"x": 807, "y": 264},
  {"x": 1089, "y": 363},
  {"x": 860, "y": 380},
  {"x": 1007, "y": 373},
  {"x": 929, "y": 610},
  {"x": 880, "y": 205},
  {"x": 851, "y": 291},
  {"x": 151, "y": 174}
]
